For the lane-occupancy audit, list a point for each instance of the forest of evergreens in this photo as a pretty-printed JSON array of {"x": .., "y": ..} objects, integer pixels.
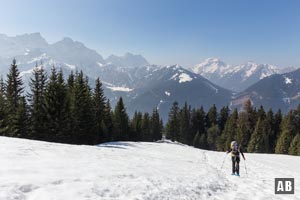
[{"x": 70, "y": 111}]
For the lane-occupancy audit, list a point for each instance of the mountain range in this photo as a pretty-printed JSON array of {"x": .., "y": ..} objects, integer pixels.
[
  {"x": 144, "y": 86},
  {"x": 236, "y": 78}
]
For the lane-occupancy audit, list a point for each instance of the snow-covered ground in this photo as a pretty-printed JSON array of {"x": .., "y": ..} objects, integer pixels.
[{"x": 128, "y": 170}]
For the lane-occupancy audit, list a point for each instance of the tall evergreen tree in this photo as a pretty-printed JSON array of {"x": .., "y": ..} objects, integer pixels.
[
  {"x": 146, "y": 128},
  {"x": 259, "y": 142},
  {"x": 56, "y": 109},
  {"x": 15, "y": 103},
  {"x": 243, "y": 130},
  {"x": 136, "y": 127},
  {"x": 108, "y": 122},
  {"x": 229, "y": 133},
  {"x": 289, "y": 131},
  {"x": 294, "y": 148},
  {"x": 172, "y": 127},
  {"x": 198, "y": 124},
  {"x": 185, "y": 135},
  {"x": 223, "y": 117},
  {"x": 121, "y": 122},
  {"x": 212, "y": 117},
  {"x": 156, "y": 126},
  {"x": 99, "y": 105},
  {"x": 84, "y": 117},
  {"x": 37, "y": 103},
  {"x": 212, "y": 134}
]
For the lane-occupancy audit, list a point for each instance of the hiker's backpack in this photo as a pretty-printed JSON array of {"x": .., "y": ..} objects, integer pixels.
[{"x": 234, "y": 149}]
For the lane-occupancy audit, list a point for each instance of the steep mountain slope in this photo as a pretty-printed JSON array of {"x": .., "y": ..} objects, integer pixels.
[
  {"x": 128, "y": 170},
  {"x": 174, "y": 83},
  {"x": 276, "y": 91}
]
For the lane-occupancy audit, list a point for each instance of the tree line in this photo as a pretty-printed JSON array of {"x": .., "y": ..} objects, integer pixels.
[
  {"x": 256, "y": 130},
  {"x": 68, "y": 111}
]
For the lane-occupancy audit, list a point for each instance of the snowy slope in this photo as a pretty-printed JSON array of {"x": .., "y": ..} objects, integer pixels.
[{"x": 127, "y": 170}]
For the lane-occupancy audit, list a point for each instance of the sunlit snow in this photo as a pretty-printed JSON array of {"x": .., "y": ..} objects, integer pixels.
[
  {"x": 120, "y": 89},
  {"x": 184, "y": 78},
  {"x": 128, "y": 170}
]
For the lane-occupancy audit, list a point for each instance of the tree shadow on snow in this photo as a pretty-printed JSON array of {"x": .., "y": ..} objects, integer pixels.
[{"x": 119, "y": 145}]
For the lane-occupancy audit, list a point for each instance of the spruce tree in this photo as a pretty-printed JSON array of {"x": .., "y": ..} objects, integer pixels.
[
  {"x": 212, "y": 134},
  {"x": 198, "y": 122},
  {"x": 172, "y": 127},
  {"x": 289, "y": 131},
  {"x": 37, "y": 103},
  {"x": 108, "y": 122},
  {"x": 136, "y": 127},
  {"x": 243, "y": 130},
  {"x": 15, "y": 103},
  {"x": 294, "y": 148},
  {"x": 184, "y": 125},
  {"x": 57, "y": 126},
  {"x": 121, "y": 122},
  {"x": 145, "y": 128},
  {"x": 229, "y": 133},
  {"x": 223, "y": 117},
  {"x": 156, "y": 126},
  {"x": 212, "y": 117},
  {"x": 83, "y": 112},
  {"x": 259, "y": 142},
  {"x": 99, "y": 105}
]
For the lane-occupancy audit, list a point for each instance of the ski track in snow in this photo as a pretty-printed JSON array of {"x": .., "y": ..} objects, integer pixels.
[{"x": 126, "y": 170}]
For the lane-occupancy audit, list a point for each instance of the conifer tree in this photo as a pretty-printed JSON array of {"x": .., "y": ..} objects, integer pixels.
[
  {"x": 84, "y": 117},
  {"x": 37, "y": 103},
  {"x": 212, "y": 134},
  {"x": 3, "y": 109},
  {"x": 294, "y": 148},
  {"x": 121, "y": 122},
  {"x": 184, "y": 125},
  {"x": 223, "y": 117},
  {"x": 108, "y": 122},
  {"x": 289, "y": 131},
  {"x": 99, "y": 104},
  {"x": 21, "y": 120},
  {"x": 145, "y": 128},
  {"x": 212, "y": 117},
  {"x": 200, "y": 141},
  {"x": 15, "y": 103},
  {"x": 136, "y": 127},
  {"x": 243, "y": 130},
  {"x": 259, "y": 142},
  {"x": 270, "y": 129},
  {"x": 251, "y": 115},
  {"x": 229, "y": 133},
  {"x": 198, "y": 122},
  {"x": 156, "y": 126},
  {"x": 172, "y": 127}
]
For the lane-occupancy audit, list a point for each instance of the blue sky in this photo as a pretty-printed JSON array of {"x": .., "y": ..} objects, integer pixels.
[{"x": 167, "y": 31}]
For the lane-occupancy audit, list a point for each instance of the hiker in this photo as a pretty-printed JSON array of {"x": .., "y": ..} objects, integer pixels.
[{"x": 235, "y": 151}]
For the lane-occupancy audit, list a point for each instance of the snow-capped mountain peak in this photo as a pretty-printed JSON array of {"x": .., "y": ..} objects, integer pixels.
[
  {"x": 234, "y": 77},
  {"x": 210, "y": 66}
]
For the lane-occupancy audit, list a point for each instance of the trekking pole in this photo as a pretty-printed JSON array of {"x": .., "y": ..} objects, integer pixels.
[
  {"x": 245, "y": 167},
  {"x": 223, "y": 161}
]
